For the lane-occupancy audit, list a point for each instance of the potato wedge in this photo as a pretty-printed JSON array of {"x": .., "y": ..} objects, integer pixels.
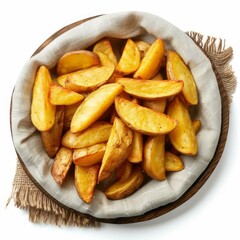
[
  {"x": 158, "y": 76},
  {"x": 124, "y": 171},
  {"x": 196, "y": 125},
  {"x": 105, "y": 61},
  {"x": 173, "y": 163},
  {"x": 158, "y": 105},
  {"x": 130, "y": 59},
  {"x": 42, "y": 111},
  {"x": 68, "y": 114},
  {"x": 59, "y": 95},
  {"x": 86, "y": 79},
  {"x": 94, "y": 105},
  {"x": 136, "y": 154},
  {"x": 143, "y": 47},
  {"x": 85, "y": 180},
  {"x": 98, "y": 132},
  {"x": 148, "y": 122},
  {"x": 118, "y": 148},
  {"x": 90, "y": 155},
  {"x": 151, "y": 62},
  {"x": 177, "y": 69},
  {"x": 105, "y": 46},
  {"x": 122, "y": 189},
  {"x": 114, "y": 76},
  {"x": 51, "y": 139},
  {"x": 61, "y": 164},
  {"x": 154, "y": 160},
  {"x": 76, "y": 60},
  {"x": 183, "y": 137},
  {"x": 151, "y": 89}
]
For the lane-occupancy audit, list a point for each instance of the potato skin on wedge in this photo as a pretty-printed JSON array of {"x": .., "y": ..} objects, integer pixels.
[
  {"x": 143, "y": 47},
  {"x": 117, "y": 150},
  {"x": 86, "y": 79},
  {"x": 85, "y": 179},
  {"x": 130, "y": 59},
  {"x": 158, "y": 105},
  {"x": 61, "y": 164},
  {"x": 154, "y": 160},
  {"x": 42, "y": 111},
  {"x": 51, "y": 139},
  {"x": 183, "y": 137},
  {"x": 124, "y": 171},
  {"x": 98, "y": 132},
  {"x": 151, "y": 89},
  {"x": 177, "y": 69},
  {"x": 152, "y": 61},
  {"x": 173, "y": 163},
  {"x": 90, "y": 155},
  {"x": 94, "y": 105},
  {"x": 59, "y": 95},
  {"x": 104, "y": 46},
  {"x": 122, "y": 189},
  {"x": 76, "y": 60},
  {"x": 148, "y": 122},
  {"x": 136, "y": 154}
]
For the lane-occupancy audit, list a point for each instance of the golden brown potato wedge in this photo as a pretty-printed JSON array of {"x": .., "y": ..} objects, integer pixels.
[
  {"x": 122, "y": 189},
  {"x": 59, "y": 95},
  {"x": 196, "y": 125},
  {"x": 143, "y": 47},
  {"x": 90, "y": 155},
  {"x": 42, "y": 111},
  {"x": 177, "y": 69},
  {"x": 61, "y": 164},
  {"x": 154, "y": 160},
  {"x": 68, "y": 114},
  {"x": 51, "y": 139},
  {"x": 94, "y": 105},
  {"x": 104, "y": 46},
  {"x": 114, "y": 76},
  {"x": 158, "y": 76},
  {"x": 76, "y": 60},
  {"x": 86, "y": 79},
  {"x": 151, "y": 63},
  {"x": 136, "y": 154},
  {"x": 148, "y": 122},
  {"x": 150, "y": 89},
  {"x": 173, "y": 163},
  {"x": 183, "y": 137},
  {"x": 158, "y": 105},
  {"x": 130, "y": 59},
  {"x": 105, "y": 61},
  {"x": 118, "y": 148},
  {"x": 98, "y": 132},
  {"x": 124, "y": 171},
  {"x": 85, "y": 179}
]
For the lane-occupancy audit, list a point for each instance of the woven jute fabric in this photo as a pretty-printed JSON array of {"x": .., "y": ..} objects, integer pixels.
[{"x": 41, "y": 208}]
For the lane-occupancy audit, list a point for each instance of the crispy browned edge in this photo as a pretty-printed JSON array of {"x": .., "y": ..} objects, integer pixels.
[{"x": 189, "y": 193}]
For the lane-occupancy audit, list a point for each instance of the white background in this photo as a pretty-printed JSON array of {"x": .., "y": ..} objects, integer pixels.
[{"x": 211, "y": 213}]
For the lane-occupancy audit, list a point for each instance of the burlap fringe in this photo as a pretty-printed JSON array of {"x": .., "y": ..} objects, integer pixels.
[
  {"x": 40, "y": 207},
  {"x": 220, "y": 56}
]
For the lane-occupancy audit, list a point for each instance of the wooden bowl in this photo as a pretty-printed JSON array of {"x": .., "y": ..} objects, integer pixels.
[{"x": 195, "y": 186}]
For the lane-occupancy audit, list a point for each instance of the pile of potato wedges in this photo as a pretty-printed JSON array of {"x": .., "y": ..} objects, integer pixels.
[{"x": 124, "y": 117}]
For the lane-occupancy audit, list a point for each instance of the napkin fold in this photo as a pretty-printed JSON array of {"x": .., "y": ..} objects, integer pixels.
[{"x": 42, "y": 208}]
